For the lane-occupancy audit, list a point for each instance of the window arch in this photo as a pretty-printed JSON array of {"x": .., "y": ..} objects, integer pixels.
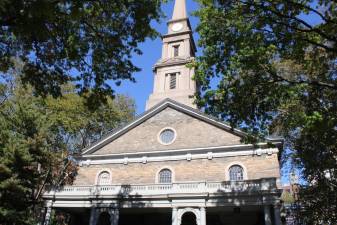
[
  {"x": 104, "y": 178},
  {"x": 236, "y": 173},
  {"x": 165, "y": 176}
]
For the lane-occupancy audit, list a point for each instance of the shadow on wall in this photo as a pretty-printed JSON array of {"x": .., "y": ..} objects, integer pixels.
[
  {"x": 76, "y": 216},
  {"x": 244, "y": 202},
  {"x": 130, "y": 201}
]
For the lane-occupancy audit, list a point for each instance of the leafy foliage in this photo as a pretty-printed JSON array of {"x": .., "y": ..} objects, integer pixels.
[
  {"x": 39, "y": 136},
  {"x": 90, "y": 42},
  {"x": 274, "y": 68}
]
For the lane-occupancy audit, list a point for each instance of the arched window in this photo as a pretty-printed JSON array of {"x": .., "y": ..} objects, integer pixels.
[
  {"x": 103, "y": 178},
  {"x": 236, "y": 173},
  {"x": 165, "y": 176}
]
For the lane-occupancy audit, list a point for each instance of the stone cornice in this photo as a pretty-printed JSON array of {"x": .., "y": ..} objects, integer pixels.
[
  {"x": 175, "y": 155},
  {"x": 172, "y": 62}
]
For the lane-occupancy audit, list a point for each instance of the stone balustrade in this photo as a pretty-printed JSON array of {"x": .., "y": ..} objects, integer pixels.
[{"x": 247, "y": 186}]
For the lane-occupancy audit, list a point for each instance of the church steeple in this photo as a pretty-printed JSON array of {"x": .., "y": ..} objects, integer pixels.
[
  {"x": 172, "y": 79},
  {"x": 179, "y": 11}
]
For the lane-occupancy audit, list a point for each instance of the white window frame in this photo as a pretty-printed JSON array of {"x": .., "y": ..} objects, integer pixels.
[
  {"x": 102, "y": 171},
  {"x": 167, "y": 168},
  {"x": 176, "y": 47},
  {"x": 245, "y": 175},
  {"x": 167, "y": 128},
  {"x": 171, "y": 48}
]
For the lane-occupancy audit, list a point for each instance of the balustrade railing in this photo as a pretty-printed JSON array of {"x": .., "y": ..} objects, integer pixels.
[{"x": 267, "y": 184}]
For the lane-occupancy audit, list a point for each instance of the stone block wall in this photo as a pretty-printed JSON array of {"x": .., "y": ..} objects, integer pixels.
[
  {"x": 215, "y": 169},
  {"x": 190, "y": 133}
]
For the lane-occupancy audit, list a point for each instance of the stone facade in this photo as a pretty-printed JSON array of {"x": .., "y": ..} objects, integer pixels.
[
  {"x": 191, "y": 133},
  {"x": 184, "y": 171}
]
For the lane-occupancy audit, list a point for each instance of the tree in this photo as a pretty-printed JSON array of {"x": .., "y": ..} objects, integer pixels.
[
  {"x": 88, "y": 42},
  {"x": 270, "y": 67},
  {"x": 39, "y": 136}
]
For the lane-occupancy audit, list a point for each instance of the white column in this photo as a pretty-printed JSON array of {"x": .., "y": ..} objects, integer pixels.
[
  {"x": 267, "y": 217},
  {"x": 175, "y": 216},
  {"x": 114, "y": 216},
  {"x": 202, "y": 216},
  {"x": 47, "y": 216},
  {"x": 93, "y": 216},
  {"x": 277, "y": 215}
]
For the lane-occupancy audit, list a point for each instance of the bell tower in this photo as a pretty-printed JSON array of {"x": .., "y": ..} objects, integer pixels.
[{"x": 172, "y": 79}]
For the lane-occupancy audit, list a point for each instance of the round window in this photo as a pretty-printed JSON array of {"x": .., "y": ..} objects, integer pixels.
[{"x": 167, "y": 136}]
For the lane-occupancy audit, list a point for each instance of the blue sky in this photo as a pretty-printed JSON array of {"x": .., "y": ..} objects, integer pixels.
[{"x": 151, "y": 53}]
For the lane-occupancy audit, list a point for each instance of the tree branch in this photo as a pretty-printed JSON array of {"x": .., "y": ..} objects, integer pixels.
[
  {"x": 277, "y": 13},
  {"x": 312, "y": 10},
  {"x": 279, "y": 78}
]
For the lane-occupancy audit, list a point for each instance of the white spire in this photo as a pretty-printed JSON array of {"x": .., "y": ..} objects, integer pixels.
[{"x": 179, "y": 11}]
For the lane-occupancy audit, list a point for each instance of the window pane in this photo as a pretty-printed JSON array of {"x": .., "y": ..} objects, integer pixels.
[
  {"x": 176, "y": 50},
  {"x": 236, "y": 173},
  {"x": 165, "y": 176},
  {"x": 173, "y": 80},
  {"x": 167, "y": 136}
]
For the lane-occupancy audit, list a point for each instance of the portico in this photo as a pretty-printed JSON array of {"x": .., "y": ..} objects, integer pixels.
[
  {"x": 248, "y": 215},
  {"x": 227, "y": 201}
]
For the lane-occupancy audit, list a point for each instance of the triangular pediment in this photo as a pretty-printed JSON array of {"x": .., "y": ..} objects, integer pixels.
[{"x": 193, "y": 130}]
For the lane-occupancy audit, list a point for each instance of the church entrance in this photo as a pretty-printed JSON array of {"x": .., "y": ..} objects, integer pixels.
[{"x": 188, "y": 218}]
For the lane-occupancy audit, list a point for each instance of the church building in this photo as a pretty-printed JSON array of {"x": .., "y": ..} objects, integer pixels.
[{"x": 173, "y": 165}]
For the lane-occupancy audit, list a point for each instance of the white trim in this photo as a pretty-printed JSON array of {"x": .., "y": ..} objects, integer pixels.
[
  {"x": 184, "y": 150},
  {"x": 102, "y": 171},
  {"x": 167, "y": 128},
  {"x": 181, "y": 156},
  {"x": 245, "y": 171},
  {"x": 163, "y": 168}
]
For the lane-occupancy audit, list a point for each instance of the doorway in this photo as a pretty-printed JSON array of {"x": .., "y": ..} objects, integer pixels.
[{"x": 188, "y": 218}]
